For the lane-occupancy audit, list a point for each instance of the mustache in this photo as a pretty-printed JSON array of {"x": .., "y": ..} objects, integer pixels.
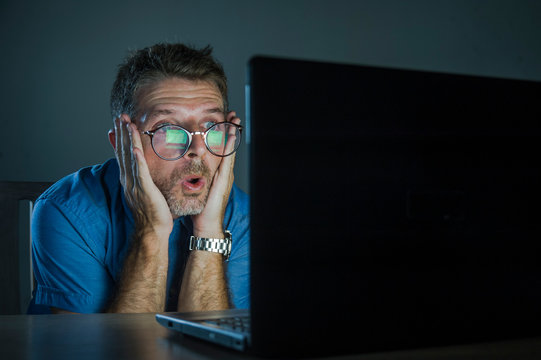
[{"x": 196, "y": 167}]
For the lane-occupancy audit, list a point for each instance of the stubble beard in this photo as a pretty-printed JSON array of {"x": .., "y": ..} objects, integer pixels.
[{"x": 181, "y": 204}]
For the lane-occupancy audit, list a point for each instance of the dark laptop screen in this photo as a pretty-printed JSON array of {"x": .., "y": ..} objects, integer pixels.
[{"x": 404, "y": 205}]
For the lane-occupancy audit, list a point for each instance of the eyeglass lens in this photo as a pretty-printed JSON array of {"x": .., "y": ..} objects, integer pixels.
[{"x": 172, "y": 142}]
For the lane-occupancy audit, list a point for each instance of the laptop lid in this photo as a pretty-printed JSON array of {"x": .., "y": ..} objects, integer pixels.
[{"x": 391, "y": 208}]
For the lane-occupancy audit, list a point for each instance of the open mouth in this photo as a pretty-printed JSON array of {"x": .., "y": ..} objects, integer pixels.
[{"x": 193, "y": 183}]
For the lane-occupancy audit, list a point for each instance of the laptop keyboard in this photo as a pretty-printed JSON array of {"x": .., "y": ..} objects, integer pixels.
[{"x": 237, "y": 323}]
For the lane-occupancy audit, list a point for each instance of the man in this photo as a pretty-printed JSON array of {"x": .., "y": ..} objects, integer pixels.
[{"x": 162, "y": 227}]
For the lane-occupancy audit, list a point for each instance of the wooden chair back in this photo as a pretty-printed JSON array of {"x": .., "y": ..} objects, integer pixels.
[{"x": 16, "y": 277}]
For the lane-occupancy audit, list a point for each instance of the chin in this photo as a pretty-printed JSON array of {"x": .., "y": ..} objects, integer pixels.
[{"x": 186, "y": 207}]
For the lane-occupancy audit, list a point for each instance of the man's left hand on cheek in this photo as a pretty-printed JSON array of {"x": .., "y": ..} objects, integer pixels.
[{"x": 209, "y": 223}]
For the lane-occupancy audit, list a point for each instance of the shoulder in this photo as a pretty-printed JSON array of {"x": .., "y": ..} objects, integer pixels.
[
  {"x": 239, "y": 201},
  {"x": 85, "y": 192},
  {"x": 78, "y": 212}
]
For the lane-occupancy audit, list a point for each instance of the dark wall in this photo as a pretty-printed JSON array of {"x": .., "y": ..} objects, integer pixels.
[{"x": 59, "y": 57}]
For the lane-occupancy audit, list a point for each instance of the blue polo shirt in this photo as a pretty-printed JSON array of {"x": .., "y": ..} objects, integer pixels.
[{"x": 81, "y": 231}]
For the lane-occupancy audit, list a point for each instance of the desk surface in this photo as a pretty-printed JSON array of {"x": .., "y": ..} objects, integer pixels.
[{"x": 139, "y": 336}]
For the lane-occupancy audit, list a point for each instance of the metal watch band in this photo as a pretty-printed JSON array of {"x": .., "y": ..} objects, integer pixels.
[{"x": 221, "y": 246}]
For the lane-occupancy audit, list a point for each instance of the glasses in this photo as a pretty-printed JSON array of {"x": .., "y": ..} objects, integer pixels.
[{"x": 171, "y": 142}]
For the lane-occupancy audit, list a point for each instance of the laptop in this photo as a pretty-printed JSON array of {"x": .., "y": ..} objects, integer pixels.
[{"x": 390, "y": 209}]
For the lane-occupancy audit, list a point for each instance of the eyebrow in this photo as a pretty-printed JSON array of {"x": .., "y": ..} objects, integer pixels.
[
  {"x": 155, "y": 113},
  {"x": 214, "y": 110}
]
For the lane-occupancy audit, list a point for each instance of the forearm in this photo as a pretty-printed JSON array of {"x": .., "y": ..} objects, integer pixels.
[
  {"x": 204, "y": 286},
  {"x": 142, "y": 285}
]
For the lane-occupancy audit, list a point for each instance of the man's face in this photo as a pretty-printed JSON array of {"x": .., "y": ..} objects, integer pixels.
[{"x": 194, "y": 105}]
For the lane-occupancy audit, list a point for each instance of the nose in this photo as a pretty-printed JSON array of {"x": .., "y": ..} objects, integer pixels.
[{"x": 197, "y": 147}]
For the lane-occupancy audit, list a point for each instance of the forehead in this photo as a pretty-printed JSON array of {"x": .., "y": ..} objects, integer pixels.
[{"x": 175, "y": 95}]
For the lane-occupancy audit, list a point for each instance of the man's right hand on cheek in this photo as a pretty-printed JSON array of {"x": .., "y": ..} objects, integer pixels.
[
  {"x": 142, "y": 285},
  {"x": 149, "y": 207}
]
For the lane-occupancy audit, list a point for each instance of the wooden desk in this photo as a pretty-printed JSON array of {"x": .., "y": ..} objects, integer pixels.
[{"x": 139, "y": 336}]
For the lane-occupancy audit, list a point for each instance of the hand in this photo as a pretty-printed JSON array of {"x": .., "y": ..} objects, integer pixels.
[
  {"x": 149, "y": 207},
  {"x": 209, "y": 223}
]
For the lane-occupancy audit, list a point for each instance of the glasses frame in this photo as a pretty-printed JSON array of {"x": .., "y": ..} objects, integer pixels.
[{"x": 190, "y": 135}]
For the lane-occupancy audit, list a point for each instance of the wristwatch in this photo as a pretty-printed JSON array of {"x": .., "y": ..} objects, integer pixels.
[{"x": 221, "y": 246}]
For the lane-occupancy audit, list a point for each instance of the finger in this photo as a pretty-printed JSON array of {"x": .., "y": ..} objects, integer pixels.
[
  {"x": 126, "y": 152},
  {"x": 224, "y": 173},
  {"x": 120, "y": 139},
  {"x": 232, "y": 133},
  {"x": 118, "y": 150},
  {"x": 139, "y": 164},
  {"x": 231, "y": 116},
  {"x": 231, "y": 141},
  {"x": 133, "y": 156}
]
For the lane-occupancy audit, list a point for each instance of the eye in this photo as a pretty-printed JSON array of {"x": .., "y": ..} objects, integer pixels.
[{"x": 208, "y": 124}]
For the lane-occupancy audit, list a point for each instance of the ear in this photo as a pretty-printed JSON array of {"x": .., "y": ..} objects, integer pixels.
[{"x": 112, "y": 138}]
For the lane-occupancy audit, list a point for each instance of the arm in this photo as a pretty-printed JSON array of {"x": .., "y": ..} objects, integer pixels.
[
  {"x": 67, "y": 251},
  {"x": 142, "y": 286},
  {"x": 204, "y": 285}
]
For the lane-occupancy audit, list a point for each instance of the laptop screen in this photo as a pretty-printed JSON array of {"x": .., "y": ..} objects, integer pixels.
[{"x": 402, "y": 204}]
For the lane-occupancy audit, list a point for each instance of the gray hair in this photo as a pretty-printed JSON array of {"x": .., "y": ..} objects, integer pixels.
[{"x": 159, "y": 62}]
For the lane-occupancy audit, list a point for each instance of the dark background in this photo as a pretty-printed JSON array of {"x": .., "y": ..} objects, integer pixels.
[{"x": 58, "y": 58}]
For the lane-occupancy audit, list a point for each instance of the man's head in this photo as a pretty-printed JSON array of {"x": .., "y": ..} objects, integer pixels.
[{"x": 177, "y": 85}]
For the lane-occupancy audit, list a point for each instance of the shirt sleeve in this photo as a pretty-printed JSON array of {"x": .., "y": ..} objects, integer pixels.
[
  {"x": 238, "y": 266},
  {"x": 69, "y": 271}
]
